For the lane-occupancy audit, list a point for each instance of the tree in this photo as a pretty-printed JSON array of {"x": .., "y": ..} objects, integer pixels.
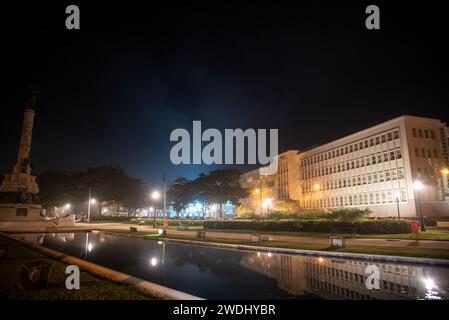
[
  {"x": 107, "y": 183},
  {"x": 54, "y": 189},
  {"x": 180, "y": 193},
  {"x": 220, "y": 186}
]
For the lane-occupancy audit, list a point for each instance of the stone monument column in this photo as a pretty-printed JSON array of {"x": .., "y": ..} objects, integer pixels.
[
  {"x": 19, "y": 191},
  {"x": 25, "y": 139}
]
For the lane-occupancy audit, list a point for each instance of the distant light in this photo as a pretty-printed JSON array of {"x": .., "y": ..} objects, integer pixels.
[
  {"x": 198, "y": 206},
  {"x": 429, "y": 283},
  {"x": 160, "y": 242},
  {"x": 151, "y": 209},
  {"x": 258, "y": 254},
  {"x": 316, "y": 186},
  {"x": 269, "y": 254},
  {"x": 104, "y": 210},
  {"x": 418, "y": 185},
  {"x": 267, "y": 202},
  {"x": 155, "y": 195},
  {"x": 89, "y": 247},
  {"x": 93, "y": 201},
  {"x": 214, "y": 207},
  {"x": 160, "y": 231},
  {"x": 153, "y": 262},
  {"x": 67, "y": 206},
  {"x": 445, "y": 171},
  {"x": 320, "y": 260}
]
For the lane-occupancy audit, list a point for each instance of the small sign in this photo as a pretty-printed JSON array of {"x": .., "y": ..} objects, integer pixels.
[{"x": 337, "y": 242}]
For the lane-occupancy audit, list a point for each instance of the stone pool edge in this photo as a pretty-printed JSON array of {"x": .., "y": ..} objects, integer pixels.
[
  {"x": 346, "y": 255},
  {"x": 109, "y": 274}
]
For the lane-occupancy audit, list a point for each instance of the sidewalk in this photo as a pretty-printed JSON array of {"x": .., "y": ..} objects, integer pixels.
[{"x": 428, "y": 244}]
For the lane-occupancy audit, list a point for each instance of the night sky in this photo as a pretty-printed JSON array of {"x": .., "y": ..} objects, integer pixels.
[{"x": 112, "y": 92}]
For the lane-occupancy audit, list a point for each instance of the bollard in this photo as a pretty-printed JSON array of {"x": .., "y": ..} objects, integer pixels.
[
  {"x": 201, "y": 234},
  {"x": 34, "y": 275}
]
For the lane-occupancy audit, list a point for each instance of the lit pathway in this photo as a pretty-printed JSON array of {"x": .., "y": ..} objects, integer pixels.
[{"x": 434, "y": 244}]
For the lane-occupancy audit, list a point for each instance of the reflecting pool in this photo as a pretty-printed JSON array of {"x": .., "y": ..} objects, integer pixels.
[{"x": 217, "y": 273}]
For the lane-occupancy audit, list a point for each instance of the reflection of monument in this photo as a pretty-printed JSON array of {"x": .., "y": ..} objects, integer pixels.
[{"x": 19, "y": 198}]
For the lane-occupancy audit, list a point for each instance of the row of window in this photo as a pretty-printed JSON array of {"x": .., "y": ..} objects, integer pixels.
[
  {"x": 359, "y": 145},
  {"x": 355, "y": 277},
  {"x": 425, "y": 173},
  {"x": 422, "y": 153},
  {"x": 355, "y": 164},
  {"x": 364, "y": 179},
  {"x": 367, "y": 198},
  {"x": 340, "y": 291},
  {"x": 420, "y": 133}
]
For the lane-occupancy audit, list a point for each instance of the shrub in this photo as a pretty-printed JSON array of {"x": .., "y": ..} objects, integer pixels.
[
  {"x": 365, "y": 226},
  {"x": 171, "y": 222}
]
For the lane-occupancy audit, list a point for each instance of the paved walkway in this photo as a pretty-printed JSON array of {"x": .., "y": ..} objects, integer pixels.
[{"x": 431, "y": 244}]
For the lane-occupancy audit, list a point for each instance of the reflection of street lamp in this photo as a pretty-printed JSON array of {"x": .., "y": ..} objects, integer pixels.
[
  {"x": 419, "y": 186},
  {"x": 155, "y": 195},
  {"x": 397, "y": 196},
  {"x": 153, "y": 262}
]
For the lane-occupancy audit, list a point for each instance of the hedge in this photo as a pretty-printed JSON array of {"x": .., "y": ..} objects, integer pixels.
[
  {"x": 361, "y": 226},
  {"x": 171, "y": 222}
]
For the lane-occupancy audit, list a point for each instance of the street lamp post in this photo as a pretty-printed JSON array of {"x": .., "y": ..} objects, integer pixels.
[
  {"x": 445, "y": 174},
  {"x": 259, "y": 192},
  {"x": 397, "y": 195},
  {"x": 155, "y": 195},
  {"x": 418, "y": 186},
  {"x": 90, "y": 201},
  {"x": 316, "y": 188},
  {"x": 165, "y": 197}
]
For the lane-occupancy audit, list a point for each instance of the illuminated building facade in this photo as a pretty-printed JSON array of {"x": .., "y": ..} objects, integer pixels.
[{"x": 376, "y": 168}]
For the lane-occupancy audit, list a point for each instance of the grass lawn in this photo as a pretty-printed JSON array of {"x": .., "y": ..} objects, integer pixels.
[
  {"x": 92, "y": 287},
  {"x": 431, "y": 234},
  {"x": 391, "y": 251}
]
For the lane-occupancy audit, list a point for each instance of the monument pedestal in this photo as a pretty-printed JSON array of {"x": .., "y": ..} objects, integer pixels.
[{"x": 19, "y": 193}]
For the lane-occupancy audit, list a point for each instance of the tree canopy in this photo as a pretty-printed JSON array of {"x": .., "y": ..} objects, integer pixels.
[
  {"x": 215, "y": 187},
  {"x": 106, "y": 183}
]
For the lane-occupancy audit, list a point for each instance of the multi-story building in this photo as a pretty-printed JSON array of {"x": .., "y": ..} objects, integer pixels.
[
  {"x": 396, "y": 167},
  {"x": 269, "y": 190}
]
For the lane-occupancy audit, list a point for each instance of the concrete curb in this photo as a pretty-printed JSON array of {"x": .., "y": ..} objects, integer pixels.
[
  {"x": 343, "y": 255},
  {"x": 109, "y": 274}
]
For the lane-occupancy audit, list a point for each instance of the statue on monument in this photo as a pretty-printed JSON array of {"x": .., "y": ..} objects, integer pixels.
[{"x": 33, "y": 98}]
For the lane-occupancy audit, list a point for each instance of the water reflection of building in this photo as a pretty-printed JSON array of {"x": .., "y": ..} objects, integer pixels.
[{"x": 345, "y": 279}]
